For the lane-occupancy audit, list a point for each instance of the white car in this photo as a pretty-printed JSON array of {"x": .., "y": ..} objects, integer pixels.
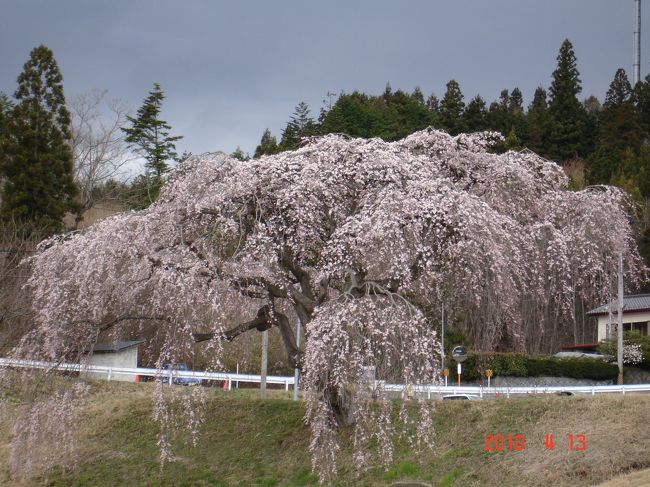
[{"x": 461, "y": 397}]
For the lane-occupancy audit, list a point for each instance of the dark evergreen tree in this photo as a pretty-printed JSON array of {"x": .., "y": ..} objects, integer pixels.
[
  {"x": 451, "y": 109},
  {"x": 268, "y": 145},
  {"x": 567, "y": 113},
  {"x": 6, "y": 105},
  {"x": 641, "y": 98},
  {"x": 619, "y": 91},
  {"x": 418, "y": 96},
  {"x": 517, "y": 116},
  {"x": 388, "y": 92},
  {"x": 516, "y": 102},
  {"x": 498, "y": 116},
  {"x": 240, "y": 155},
  {"x": 621, "y": 125},
  {"x": 149, "y": 137},
  {"x": 36, "y": 160},
  {"x": 353, "y": 114},
  {"x": 618, "y": 159},
  {"x": 300, "y": 125},
  {"x": 593, "y": 110},
  {"x": 476, "y": 115},
  {"x": 433, "y": 104},
  {"x": 538, "y": 123}
]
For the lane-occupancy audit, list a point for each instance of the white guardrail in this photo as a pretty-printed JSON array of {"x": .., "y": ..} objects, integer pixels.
[
  {"x": 428, "y": 390},
  {"x": 167, "y": 375}
]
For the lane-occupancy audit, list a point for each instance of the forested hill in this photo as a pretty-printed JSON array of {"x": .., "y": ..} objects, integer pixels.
[{"x": 597, "y": 142}]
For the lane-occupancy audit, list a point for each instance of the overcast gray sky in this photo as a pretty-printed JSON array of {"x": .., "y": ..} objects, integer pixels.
[{"x": 231, "y": 69}]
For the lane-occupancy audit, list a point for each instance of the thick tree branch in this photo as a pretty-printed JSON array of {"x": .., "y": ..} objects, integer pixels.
[
  {"x": 261, "y": 322},
  {"x": 243, "y": 283},
  {"x": 286, "y": 259}
]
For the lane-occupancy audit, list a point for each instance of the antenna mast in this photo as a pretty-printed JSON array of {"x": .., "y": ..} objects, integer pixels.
[{"x": 637, "y": 43}]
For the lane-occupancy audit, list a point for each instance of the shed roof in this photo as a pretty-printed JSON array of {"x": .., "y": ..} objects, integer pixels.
[
  {"x": 113, "y": 347},
  {"x": 631, "y": 302}
]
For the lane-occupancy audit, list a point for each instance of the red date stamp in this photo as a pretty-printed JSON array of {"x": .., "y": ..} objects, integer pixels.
[
  {"x": 517, "y": 442},
  {"x": 500, "y": 442}
]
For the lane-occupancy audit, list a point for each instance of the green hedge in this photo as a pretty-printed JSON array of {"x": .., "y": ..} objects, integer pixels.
[{"x": 521, "y": 365}]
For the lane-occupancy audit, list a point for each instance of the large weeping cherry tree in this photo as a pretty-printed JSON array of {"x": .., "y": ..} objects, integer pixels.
[{"x": 360, "y": 240}]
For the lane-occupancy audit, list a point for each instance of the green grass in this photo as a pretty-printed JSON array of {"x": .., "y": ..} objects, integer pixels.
[{"x": 249, "y": 442}]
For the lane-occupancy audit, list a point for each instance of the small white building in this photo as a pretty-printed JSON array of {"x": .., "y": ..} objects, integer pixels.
[
  {"x": 636, "y": 316},
  {"x": 114, "y": 354}
]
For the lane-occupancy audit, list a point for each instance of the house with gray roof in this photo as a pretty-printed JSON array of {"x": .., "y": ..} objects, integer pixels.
[{"x": 636, "y": 316}]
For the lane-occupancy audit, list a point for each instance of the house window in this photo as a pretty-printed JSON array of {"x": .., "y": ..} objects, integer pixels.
[{"x": 640, "y": 326}]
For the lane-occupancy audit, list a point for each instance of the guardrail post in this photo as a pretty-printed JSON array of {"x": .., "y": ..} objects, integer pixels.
[
  {"x": 286, "y": 384},
  {"x": 170, "y": 378},
  {"x": 229, "y": 383},
  {"x": 593, "y": 391},
  {"x": 110, "y": 373},
  {"x": 508, "y": 393}
]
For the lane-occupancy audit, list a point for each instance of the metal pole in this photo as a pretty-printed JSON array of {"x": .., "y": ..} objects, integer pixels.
[
  {"x": 636, "y": 67},
  {"x": 265, "y": 359},
  {"x": 296, "y": 371},
  {"x": 620, "y": 319}
]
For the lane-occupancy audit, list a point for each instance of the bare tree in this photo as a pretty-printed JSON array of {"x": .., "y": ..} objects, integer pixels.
[{"x": 97, "y": 141}]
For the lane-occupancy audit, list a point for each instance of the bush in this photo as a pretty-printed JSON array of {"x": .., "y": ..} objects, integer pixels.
[
  {"x": 520, "y": 365},
  {"x": 609, "y": 347}
]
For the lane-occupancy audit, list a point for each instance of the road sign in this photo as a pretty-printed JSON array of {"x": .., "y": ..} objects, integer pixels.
[{"x": 459, "y": 354}]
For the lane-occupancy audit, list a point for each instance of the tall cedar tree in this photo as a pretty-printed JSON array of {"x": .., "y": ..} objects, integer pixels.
[
  {"x": 641, "y": 96},
  {"x": 621, "y": 126},
  {"x": 621, "y": 132},
  {"x": 538, "y": 123},
  {"x": 149, "y": 137},
  {"x": 567, "y": 113},
  {"x": 36, "y": 160},
  {"x": 300, "y": 125},
  {"x": 500, "y": 117},
  {"x": 475, "y": 115},
  {"x": 517, "y": 116},
  {"x": 352, "y": 115},
  {"x": 268, "y": 145},
  {"x": 451, "y": 109}
]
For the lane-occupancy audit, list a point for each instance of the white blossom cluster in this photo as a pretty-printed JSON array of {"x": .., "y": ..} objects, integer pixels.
[{"x": 632, "y": 354}]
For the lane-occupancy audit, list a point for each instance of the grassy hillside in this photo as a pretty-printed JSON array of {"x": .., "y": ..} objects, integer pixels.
[{"x": 248, "y": 442}]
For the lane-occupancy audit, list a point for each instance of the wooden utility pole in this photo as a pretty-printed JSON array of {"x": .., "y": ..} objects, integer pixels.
[
  {"x": 619, "y": 334},
  {"x": 265, "y": 360}
]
